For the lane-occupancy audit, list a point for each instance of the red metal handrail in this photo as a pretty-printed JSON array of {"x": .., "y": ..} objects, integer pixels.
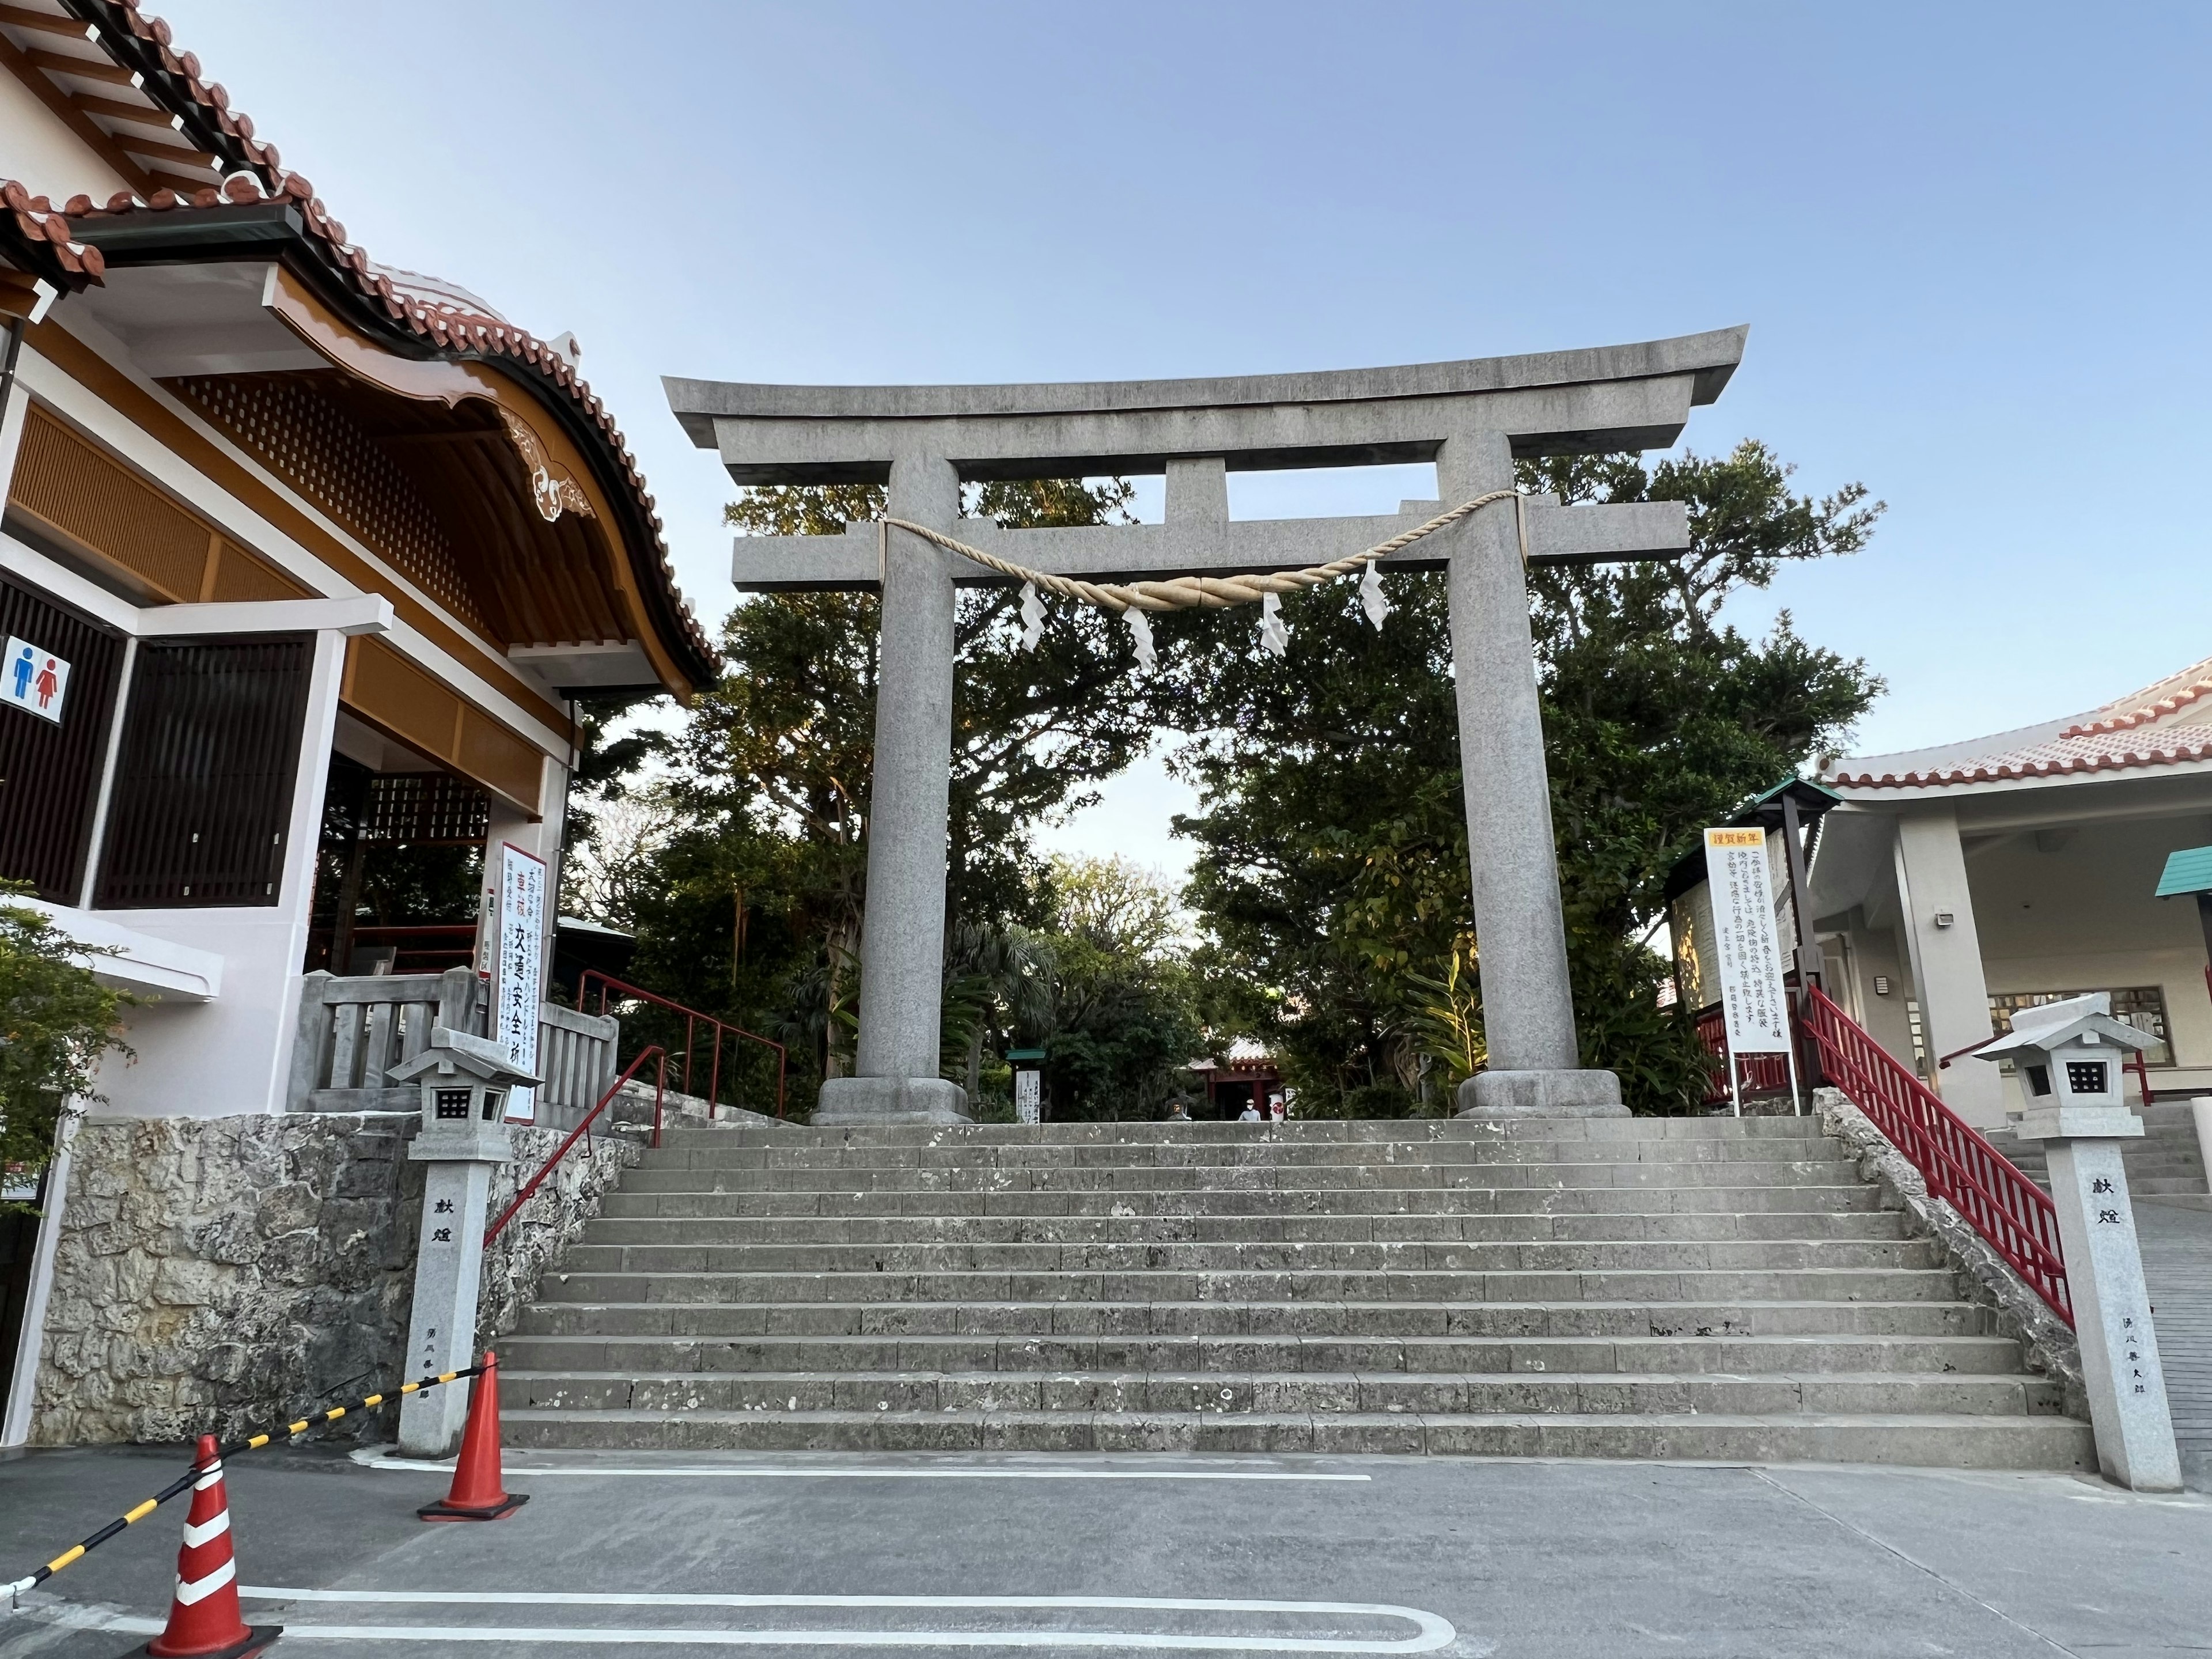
[
  {"x": 659, "y": 1087},
  {"x": 611, "y": 988},
  {"x": 2011, "y": 1212}
]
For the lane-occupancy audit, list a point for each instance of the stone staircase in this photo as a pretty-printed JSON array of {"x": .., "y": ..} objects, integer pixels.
[
  {"x": 2166, "y": 1164},
  {"x": 1689, "y": 1288}
]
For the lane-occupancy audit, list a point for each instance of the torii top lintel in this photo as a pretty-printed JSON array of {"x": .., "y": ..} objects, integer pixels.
[
  {"x": 1585, "y": 401},
  {"x": 1196, "y": 432}
]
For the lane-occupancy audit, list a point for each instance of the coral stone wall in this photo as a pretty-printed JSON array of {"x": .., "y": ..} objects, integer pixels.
[{"x": 229, "y": 1274}]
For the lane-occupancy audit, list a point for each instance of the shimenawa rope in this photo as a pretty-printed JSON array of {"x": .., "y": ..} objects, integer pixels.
[{"x": 1210, "y": 593}]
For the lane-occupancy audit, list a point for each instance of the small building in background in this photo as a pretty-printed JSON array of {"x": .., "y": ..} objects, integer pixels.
[{"x": 1242, "y": 1074}]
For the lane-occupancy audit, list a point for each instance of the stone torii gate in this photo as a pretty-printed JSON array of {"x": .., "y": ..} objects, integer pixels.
[{"x": 1472, "y": 419}]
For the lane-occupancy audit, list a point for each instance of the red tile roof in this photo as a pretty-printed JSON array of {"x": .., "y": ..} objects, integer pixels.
[
  {"x": 2145, "y": 728},
  {"x": 48, "y": 237},
  {"x": 146, "y": 45}
]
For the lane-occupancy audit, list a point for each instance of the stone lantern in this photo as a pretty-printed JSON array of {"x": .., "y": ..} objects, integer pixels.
[
  {"x": 2068, "y": 1058},
  {"x": 465, "y": 1081}
]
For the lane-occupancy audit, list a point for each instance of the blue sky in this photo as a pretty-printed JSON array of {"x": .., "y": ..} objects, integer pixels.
[{"x": 1971, "y": 241}]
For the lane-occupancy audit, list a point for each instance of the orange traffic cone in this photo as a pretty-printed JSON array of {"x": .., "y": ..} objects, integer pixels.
[
  {"x": 204, "y": 1621},
  {"x": 478, "y": 1492}
]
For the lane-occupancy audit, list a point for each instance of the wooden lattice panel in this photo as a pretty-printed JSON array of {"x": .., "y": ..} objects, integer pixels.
[
  {"x": 314, "y": 446},
  {"x": 425, "y": 809},
  {"x": 69, "y": 484}
]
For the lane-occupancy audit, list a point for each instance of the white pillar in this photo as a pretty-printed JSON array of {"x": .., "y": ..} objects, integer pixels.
[
  {"x": 1938, "y": 911},
  {"x": 903, "y": 936},
  {"x": 1527, "y": 1003},
  {"x": 2112, "y": 1305}
]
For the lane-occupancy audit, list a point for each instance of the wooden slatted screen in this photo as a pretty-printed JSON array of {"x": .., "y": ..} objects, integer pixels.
[
  {"x": 72, "y": 492},
  {"x": 204, "y": 788},
  {"x": 49, "y": 773}
]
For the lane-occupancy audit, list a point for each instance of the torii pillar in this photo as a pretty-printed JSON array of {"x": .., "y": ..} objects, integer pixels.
[{"x": 1471, "y": 418}]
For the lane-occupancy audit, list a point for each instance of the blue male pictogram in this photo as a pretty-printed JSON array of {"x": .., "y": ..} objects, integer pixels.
[{"x": 23, "y": 676}]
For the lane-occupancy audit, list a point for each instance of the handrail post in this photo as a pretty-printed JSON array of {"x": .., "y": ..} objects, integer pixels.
[
  {"x": 659, "y": 1090},
  {"x": 714, "y": 1074}
]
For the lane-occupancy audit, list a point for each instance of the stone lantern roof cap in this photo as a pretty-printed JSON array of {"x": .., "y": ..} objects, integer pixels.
[
  {"x": 450, "y": 1051},
  {"x": 2049, "y": 1024}
]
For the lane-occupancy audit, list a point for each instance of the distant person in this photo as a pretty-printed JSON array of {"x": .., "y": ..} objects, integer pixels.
[
  {"x": 1249, "y": 1115},
  {"x": 1176, "y": 1114}
]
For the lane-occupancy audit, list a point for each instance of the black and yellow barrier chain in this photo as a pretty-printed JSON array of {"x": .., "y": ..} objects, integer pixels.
[{"x": 254, "y": 1443}]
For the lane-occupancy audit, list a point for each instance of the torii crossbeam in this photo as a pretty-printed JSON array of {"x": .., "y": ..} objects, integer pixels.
[{"x": 1472, "y": 419}]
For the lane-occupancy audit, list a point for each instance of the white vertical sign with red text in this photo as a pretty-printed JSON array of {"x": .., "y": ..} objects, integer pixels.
[
  {"x": 1749, "y": 959},
  {"x": 518, "y": 967}
]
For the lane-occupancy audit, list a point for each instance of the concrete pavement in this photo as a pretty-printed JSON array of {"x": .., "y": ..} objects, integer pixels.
[{"x": 664, "y": 1553}]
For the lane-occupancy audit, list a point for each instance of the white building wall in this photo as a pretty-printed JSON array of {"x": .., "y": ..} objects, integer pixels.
[
  {"x": 2072, "y": 910},
  {"x": 40, "y": 153}
]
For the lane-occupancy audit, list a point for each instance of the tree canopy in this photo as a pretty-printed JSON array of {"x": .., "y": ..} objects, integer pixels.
[
  {"x": 1333, "y": 844},
  {"x": 57, "y": 1021}
]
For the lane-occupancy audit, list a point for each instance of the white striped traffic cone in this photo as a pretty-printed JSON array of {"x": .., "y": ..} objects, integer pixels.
[{"x": 203, "y": 1618}]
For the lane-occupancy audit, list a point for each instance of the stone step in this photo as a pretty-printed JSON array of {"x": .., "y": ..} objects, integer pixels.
[
  {"x": 1233, "y": 1319},
  {"x": 1855, "y": 1196},
  {"x": 1487, "y": 1355},
  {"x": 1265, "y": 1284},
  {"x": 1680, "y": 1288},
  {"x": 1367, "y": 1131},
  {"x": 1307, "y": 1228},
  {"x": 1735, "y": 1172},
  {"x": 1949, "y": 1440},
  {"x": 1224, "y": 1393},
  {"x": 1646, "y": 1255},
  {"x": 1326, "y": 1154}
]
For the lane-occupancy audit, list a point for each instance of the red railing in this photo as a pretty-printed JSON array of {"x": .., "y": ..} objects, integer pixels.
[
  {"x": 1762, "y": 1074},
  {"x": 2011, "y": 1212},
  {"x": 583, "y": 1132},
  {"x": 614, "y": 990}
]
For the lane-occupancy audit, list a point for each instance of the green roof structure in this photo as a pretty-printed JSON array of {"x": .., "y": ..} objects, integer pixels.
[{"x": 2189, "y": 871}]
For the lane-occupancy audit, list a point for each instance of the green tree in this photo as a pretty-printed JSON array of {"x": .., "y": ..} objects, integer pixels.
[
  {"x": 1333, "y": 857},
  {"x": 56, "y": 1022},
  {"x": 759, "y": 890},
  {"x": 1118, "y": 1020}
]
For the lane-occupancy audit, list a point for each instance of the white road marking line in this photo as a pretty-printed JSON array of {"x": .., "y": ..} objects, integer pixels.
[
  {"x": 541, "y": 1636},
  {"x": 842, "y": 1473},
  {"x": 1432, "y": 1631}
]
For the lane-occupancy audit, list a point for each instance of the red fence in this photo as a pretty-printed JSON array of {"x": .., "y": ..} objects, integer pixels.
[
  {"x": 2007, "y": 1209},
  {"x": 1762, "y": 1074},
  {"x": 613, "y": 991},
  {"x": 583, "y": 1132}
]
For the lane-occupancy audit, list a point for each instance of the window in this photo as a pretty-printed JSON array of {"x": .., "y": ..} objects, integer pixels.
[
  {"x": 2142, "y": 1006},
  {"x": 2084, "y": 1077}
]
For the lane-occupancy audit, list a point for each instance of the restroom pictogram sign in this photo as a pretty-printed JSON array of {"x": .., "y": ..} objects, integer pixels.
[{"x": 33, "y": 679}]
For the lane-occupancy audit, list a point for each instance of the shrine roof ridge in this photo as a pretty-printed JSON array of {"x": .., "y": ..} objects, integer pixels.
[{"x": 1712, "y": 357}]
